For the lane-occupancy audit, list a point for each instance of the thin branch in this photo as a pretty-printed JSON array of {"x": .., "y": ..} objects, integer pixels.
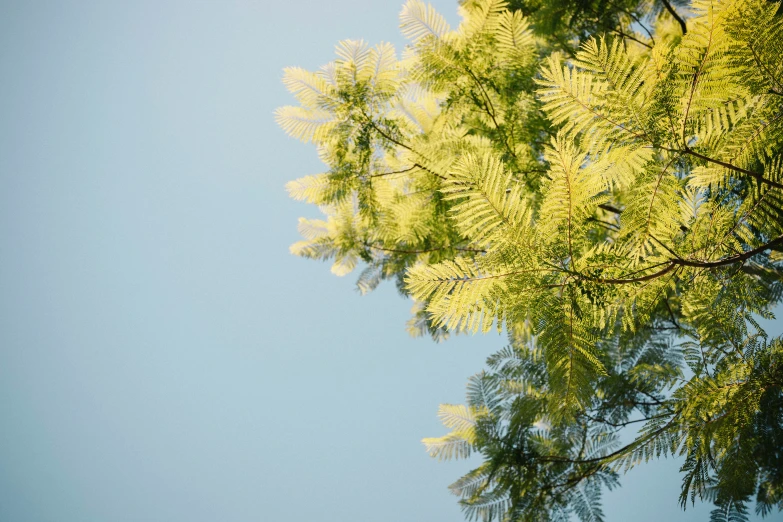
[
  {"x": 761, "y": 65},
  {"x": 414, "y": 166},
  {"x": 607, "y": 225},
  {"x": 672, "y": 252},
  {"x": 611, "y": 456},
  {"x": 400, "y": 144},
  {"x": 677, "y": 17},
  {"x": 668, "y": 268},
  {"x": 490, "y": 110},
  {"x": 639, "y": 22},
  {"x": 610, "y": 208},
  {"x": 423, "y": 251},
  {"x": 620, "y": 31},
  {"x": 674, "y": 263},
  {"x": 630, "y": 37},
  {"x": 754, "y": 175},
  {"x": 730, "y": 260},
  {"x": 622, "y": 424},
  {"x": 671, "y": 314},
  {"x": 694, "y": 83},
  {"x": 653, "y": 398}
]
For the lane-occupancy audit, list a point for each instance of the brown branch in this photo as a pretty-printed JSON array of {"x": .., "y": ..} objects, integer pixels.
[
  {"x": 695, "y": 82},
  {"x": 766, "y": 70},
  {"x": 630, "y": 37},
  {"x": 755, "y": 175},
  {"x": 610, "y": 456},
  {"x": 639, "y": 22},
  {"x": 671, "y": 313},
  {"x": 730, "y": 260},
  {"x": 610, "y": 208},
  {"x": 620, "y": 31},
  {"x": 653, "y": 398},
  {"x": 677, "y": 17},
  {"x": 399, "y": 143},
  {"x": 672, "y": 252},
  {"x": 607, "y": 225},
  {"x": 490, "y": 110},
  {"x": 669, "y": 267},
  {"x": 403, "y": 171},
  {"x": 620, "y": 424},
  {"x": 649, "y": 219},
  {"x": 674, "y": 263},
  {"x": 423, "y": 251}
]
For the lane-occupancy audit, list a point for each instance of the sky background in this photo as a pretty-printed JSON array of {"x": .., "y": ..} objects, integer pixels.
[{"x": 162, "y": 356}]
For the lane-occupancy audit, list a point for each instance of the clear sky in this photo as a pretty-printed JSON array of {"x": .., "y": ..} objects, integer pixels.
[{"x": 162, "y": 356}]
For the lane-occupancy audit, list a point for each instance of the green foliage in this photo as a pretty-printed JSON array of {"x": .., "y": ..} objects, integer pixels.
[{"x": 604, "y": 181}]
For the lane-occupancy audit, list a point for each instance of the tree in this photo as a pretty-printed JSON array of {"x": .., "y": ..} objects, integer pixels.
[{"x": 606, "y": 185}]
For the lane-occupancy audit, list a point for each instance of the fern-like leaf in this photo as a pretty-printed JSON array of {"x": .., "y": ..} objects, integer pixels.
[{"x": 419, "y": 20}]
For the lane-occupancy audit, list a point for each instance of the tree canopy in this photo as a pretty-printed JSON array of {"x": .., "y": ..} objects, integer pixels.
[{"x": 603, "y": 180}]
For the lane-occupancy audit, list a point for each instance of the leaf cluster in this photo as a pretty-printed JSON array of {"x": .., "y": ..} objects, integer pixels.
[{"x": 603, "y": 180}]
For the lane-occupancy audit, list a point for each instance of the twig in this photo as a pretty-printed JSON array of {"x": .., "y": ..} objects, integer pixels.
[{"x": 677, "y": 17}]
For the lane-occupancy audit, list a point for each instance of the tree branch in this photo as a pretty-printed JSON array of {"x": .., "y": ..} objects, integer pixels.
[
  {"x": 403, "y": 171},
  {"x": 610, "y": 208},
  {"x": 754, "y": 175},
  {"x": 423, "y": 251},
  {"x": 400, "y": 144},
  {"x": 732, "y": 259},
  {"x": 674, "y": 263},
  {"x": 611, "y": 456},
  {"x": 677, "y": 17},
  {"x": 621, "y": 424}
]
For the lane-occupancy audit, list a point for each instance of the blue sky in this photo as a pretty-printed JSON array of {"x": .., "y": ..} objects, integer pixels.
[{"x": 162, "y": 355}]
